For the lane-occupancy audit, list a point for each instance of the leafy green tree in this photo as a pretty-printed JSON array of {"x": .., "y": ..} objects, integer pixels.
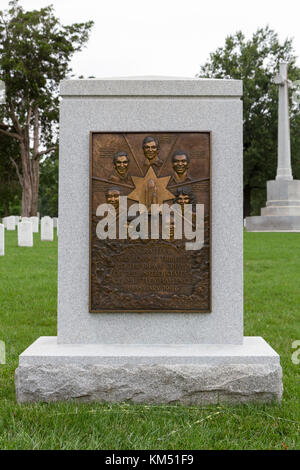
[
  {"x": 48, "y": 191},
  {"x": 256, "y": 61},
  {"x": 35, "y": 52},
  {"x": 10, "y": 190}
]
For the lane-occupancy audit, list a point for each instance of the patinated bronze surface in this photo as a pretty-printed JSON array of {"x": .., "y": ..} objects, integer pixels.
[{"x": 149, "y": 275}]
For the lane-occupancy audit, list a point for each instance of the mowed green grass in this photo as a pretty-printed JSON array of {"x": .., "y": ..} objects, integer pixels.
[{"x": 28, "y": 310}]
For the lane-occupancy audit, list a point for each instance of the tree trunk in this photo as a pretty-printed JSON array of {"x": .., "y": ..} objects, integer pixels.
[
  {"x": 6, "y": 209},
  {"x": 247, "y": 201},
  {"x": 27, "y": 180},
  {"x": 35, "y": 186},
  {"x": 26, "y": 198},
  {"x": 35, "y": 162}
]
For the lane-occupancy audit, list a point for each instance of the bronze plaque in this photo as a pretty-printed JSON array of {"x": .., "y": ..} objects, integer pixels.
[{"x": 149, "y": 275}]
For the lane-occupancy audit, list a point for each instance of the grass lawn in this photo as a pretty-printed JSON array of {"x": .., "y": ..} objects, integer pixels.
[{"x": 28, "y": 278}]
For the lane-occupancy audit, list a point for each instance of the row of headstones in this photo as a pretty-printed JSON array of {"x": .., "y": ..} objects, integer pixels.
[
  {"x": 26, "y": 227},
  {"x": 11, "y": 222}
]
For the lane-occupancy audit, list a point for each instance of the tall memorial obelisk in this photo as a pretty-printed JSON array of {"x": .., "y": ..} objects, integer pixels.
[
  {"x": 284, "y": 169},
  {"x": 282, "y": 211}
]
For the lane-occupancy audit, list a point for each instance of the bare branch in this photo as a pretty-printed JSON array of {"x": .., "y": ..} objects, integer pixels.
[
  {"x": 36, "y": 132},
  {"x": 11, "y": 134},
  {"x": 17, "y": 170},
  {"x": 15, "y": 119},
  {"x": 28, "y": 116},
  {"x": 50, "y": 149}
]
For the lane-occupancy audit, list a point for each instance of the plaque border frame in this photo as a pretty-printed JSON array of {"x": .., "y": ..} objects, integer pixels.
[{"x": 149, "y": 311}]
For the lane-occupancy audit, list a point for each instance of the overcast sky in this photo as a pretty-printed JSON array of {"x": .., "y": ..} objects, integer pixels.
[{"x": 165, "y": 37}]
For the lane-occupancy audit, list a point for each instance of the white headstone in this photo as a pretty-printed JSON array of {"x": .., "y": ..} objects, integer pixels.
[
  {"x": 35, "y": 224},
  {"x": 46, "y": 229},
  {"x": 4, "y": 221},
  {"x": 17, "y": 219},
  {"x": 25, "y": 237},
  {"x": 11, "y": 223},
  {"x": 2, "y": 239}
]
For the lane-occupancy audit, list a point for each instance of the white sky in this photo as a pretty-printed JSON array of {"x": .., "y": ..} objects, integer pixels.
[{"x": 165, "y": 37}]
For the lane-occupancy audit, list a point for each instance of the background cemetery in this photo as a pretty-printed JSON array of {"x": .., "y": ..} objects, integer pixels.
[
  {"x": 28, "y": 265},
  {"x": 26, "y": 226}
]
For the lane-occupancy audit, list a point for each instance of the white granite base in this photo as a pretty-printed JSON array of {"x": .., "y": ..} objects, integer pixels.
[
  {"x": 273, "y": 223},
  {"x": 282, "y": 211},
  {"x": 188, "y": 374}
]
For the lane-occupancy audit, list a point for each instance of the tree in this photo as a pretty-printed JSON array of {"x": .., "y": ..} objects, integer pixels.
[
  {"x": 256, "y": 62},
  {"x": 35, "y": 52},
  {"x": 48, "y": 191},
  {"x": 9, "y": 185}
]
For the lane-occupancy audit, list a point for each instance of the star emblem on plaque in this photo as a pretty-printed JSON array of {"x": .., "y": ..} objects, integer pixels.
[
  {"x": 150, "y": 189},
  {"x": 149, "y": 275}
]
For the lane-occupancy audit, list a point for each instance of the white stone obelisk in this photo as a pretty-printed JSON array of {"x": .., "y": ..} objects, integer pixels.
[{"x": 284, "y": 168}]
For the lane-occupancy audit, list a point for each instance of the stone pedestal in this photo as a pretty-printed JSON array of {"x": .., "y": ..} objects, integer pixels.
[
  {"x": 282, "y": 211},
  {"x": 168, "y": 373},
  {"x": 150, "y": 357}
]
